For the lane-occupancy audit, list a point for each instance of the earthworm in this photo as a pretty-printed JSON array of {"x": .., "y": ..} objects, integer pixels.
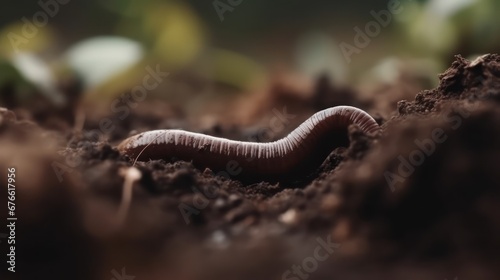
[{"x": 292, "y": 157}]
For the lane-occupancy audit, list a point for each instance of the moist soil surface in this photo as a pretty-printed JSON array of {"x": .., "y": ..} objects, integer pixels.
[{"x": 421, "y": 200}]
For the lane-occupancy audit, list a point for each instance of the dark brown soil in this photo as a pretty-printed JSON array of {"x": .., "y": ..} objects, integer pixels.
[{"x": 422, "y": 201}]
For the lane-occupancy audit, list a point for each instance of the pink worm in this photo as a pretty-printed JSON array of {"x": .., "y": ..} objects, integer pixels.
[{"x": 292, "y": 157}]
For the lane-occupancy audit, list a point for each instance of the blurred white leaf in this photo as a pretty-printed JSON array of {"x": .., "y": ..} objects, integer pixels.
[
  {"x": 446, "y": 8},
  {"x": 317, "y": 53},
  {"x": 98, "y": 59},
  {"x": 37, "y": 72},
  {"x": 387, "y": 70}
]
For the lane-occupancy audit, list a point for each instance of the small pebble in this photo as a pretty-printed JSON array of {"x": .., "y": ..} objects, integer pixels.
[
  {"x": 289, "y": 217},
  {"x": 218, "y": 239},
  {"x": 234, "y": 199},
  {"x": 330, "y": 202}
]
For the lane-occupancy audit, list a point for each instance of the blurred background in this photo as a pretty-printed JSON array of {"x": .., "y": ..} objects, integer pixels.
[{"x": 215, "y": 51}]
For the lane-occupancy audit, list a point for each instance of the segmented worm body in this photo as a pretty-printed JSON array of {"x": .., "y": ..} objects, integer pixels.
[{"x": 290, "y": 158}]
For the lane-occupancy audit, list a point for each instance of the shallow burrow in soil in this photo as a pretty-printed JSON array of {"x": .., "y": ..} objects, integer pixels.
[{"x": 419, "y": 201}]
